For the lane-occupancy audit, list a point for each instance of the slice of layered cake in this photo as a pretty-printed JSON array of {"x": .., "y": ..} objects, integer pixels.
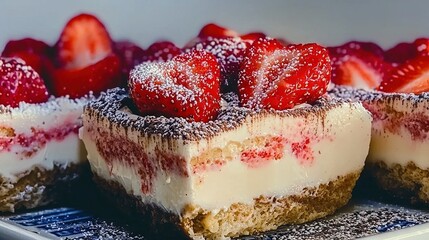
[
  {"x": 184, "y": 158},
  {"x": 43, "y": 91},
  {"x": 40, "y": 151},
  {"x": 398, "y": 100},
  {"x": 399, "y": 150}
]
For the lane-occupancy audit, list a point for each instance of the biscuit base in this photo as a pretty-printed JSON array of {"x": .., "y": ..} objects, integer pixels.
[
  {"x": 265, "y": 213},
  {"x": 39, "y": 187},
  {"x": 406, "y": 183}
]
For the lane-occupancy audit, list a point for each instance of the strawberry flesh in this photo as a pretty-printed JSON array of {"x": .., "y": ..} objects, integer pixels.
[
  {"x": 229, "y": 52},
  {"x": 280, "y": 77},
  {"x": 161, "y": 51},
  {"x": 401, "y": 53},
  {"x": 212, "y": 30},
  {"x": 354, "y": 65},
  {"x": 83, "y": 42},
  {"x": 186, "y": 86},
  {"x": 422, "y": 46},
  {"x": 20, "y": 83},
  {"x": 94, "y": 78},
  {"x": 28, "y": 45},
  {"x": 409, "y": 77},
  {"x": 366, "y": 46},
  {"x": 35, "y": 53},
  {"x": 130, "y": 55}
]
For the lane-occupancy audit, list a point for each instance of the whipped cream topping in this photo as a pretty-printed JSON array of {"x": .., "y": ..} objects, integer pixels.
[{"x": 53, "y": 127}]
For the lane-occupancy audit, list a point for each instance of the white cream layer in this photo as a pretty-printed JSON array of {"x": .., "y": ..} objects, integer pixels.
[
  {"x": 344, "y": 134},
  {"x": 398, "y": 147},
  {"x": 54, "y": 114}
]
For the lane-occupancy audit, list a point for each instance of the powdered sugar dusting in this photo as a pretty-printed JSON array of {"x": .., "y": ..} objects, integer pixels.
[
  {"x": 280, "y": 77},
  {"x": 20, "y": 83},
  {"x": 31, "y": 110},
  {"x": 229, "y": 52},
  {"x": 112, "y": 105},
  {"x": 187, "y": 86},
  {"x": 362, "y": 221}
]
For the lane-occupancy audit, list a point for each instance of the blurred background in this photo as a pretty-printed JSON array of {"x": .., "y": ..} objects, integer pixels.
[{"x": 329, "y": 22}]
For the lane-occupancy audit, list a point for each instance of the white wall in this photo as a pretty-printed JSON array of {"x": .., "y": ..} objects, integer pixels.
[{"x": 325, "y": 21}]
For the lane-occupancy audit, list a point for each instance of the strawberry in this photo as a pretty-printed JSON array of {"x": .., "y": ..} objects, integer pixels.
[
  {"x": 357, "y": 67},
  {"x": 20, "y": 83},
  {"x": 161, "y": 51},
  {"x": 186, "y": 86},
  {"x": 229, "y": 53},
  {"x": 212, "y": 30},
  {"x": 409, "y": 77},
  {"x": 130, "y": 55},
  {"x": 97, "y": 77},
  {"x": 276, "y": 76},
  {"x": 83, "y": 42},
  {"x": 35, "y": 53},
  {"x": 401, "y": 53},
  {"x": 422, "y": 46},
  {"x": 367, "y": 46},
  {"x": 28, "y": 45},
  {"x": 253, "y": 36},
  {"x": 31, "y": 59}
]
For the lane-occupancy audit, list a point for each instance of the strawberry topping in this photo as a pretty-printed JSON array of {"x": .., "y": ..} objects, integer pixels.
[
  {"x": 276, "y": 76},
  {"x": 229, "y": 53},
  {"x": 401, "y": 53},
  {"x": 212, "y": 30},
  {"x": 84, "y": 41},
  {"x": 28, "y": 45},
  {"x": 20, "y": 83},
  {"x": 94, "y": 78},
  {"x": 422, "y": 46},
  {"x": 35, "y": 53},
  {"x": 161, "y": 51},
  {"x": 367, "y": 46},
  {"x": 186, "y": 86},
  {"x": 409, "y": 77},
  {"x": 130, "y": 55},
  {"x": 355, "y": 66}
]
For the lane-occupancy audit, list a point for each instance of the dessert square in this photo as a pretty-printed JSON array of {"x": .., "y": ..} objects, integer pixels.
[
  {"x": 397, "y": 159},
  {"x": 393, "y": 86},
  {"x": 40, "y": 152},
  {"x": 244, "y": 172}
]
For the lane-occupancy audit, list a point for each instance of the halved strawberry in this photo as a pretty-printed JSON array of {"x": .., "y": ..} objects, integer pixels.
[
  {"x": 34, "y": 52},
  {"x": 212, "y": 30},
  {"x": 20, "y": 83},
  {"x": 186, "y": 86},
  {"x": 357, "y": 67},
  {"x": 409, "y": 77},
  {"x": 161, "y": 51},
  {"x": 253, "y": 36},
  {"x": 28, "y": 45},
  {"x": 229, "y": 53},
  {"x": 97, "y": 77},
  {"x": 401, "y": 53},
  {"x": 276, "y": 76},
  {"x": 130, "y": 55},
  {"x": 367, "y": 46},
  {"x": 422, "y": 46},
  {"x": 84, "y": 41}
]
